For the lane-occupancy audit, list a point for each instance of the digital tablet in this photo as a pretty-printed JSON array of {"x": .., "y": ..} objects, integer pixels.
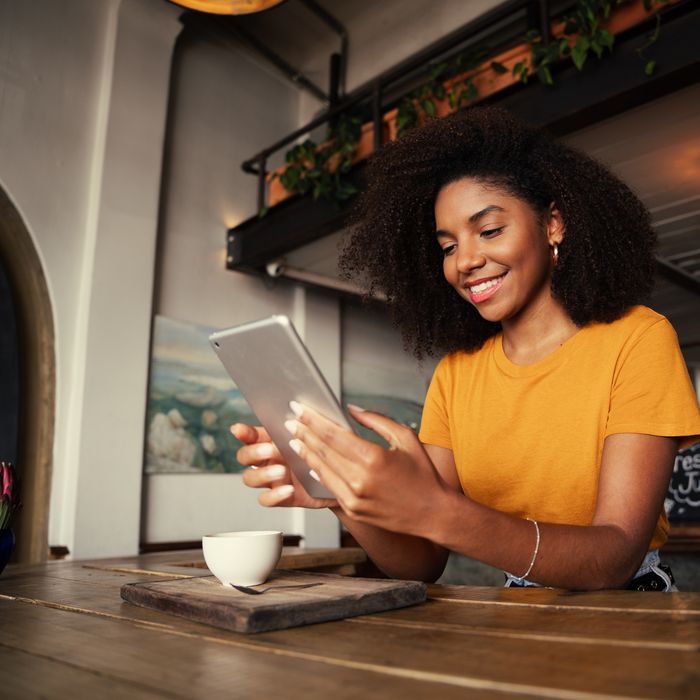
[{"x": 271, "y": 367}]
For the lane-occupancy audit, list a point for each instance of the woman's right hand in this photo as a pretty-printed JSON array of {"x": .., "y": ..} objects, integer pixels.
[{"x": 271, "y": 472}]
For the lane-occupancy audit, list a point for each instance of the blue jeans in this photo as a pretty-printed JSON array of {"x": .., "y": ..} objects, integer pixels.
[{"x": 652, "y": 575}]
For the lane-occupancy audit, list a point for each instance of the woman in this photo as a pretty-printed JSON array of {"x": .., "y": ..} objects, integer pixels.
[{"x": 551, "y": 423}]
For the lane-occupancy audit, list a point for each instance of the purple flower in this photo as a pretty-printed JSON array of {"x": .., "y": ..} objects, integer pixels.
[
  {"x": 7, "y": 478},
  {"x": 8, "y": 495}
]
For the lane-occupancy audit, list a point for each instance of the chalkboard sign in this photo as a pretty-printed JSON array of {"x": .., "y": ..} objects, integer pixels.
[{"x": 683, "y": 499}]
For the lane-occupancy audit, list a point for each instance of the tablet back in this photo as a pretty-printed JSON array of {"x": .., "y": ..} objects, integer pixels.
[{"x": 271, "y": 366}]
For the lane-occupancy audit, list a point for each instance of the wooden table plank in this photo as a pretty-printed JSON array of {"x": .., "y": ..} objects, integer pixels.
[
  {"x": 184, "y": 665},
  {"x": 454, "y": 657},
  {"x": 687, "y": 604},
  {"x": 22, "y": 671},
  {"x": 90, "y": 590},
  {"x": 561, "y": 626},
  {"x": 292, "y": 558},
  {"x": 85, "y": 588},
  {"x": 486, "y": 642},
  {"x": 539, "y": 667}
]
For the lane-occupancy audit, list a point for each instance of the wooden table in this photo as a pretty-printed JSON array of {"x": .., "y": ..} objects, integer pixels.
[{"x": 65, "y": 632}]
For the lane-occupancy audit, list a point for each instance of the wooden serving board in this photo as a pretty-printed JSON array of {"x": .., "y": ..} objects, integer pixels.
[{"x": 204, "y": 599}]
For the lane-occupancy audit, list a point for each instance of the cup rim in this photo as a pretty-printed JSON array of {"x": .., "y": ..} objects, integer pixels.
[{"x": 242, "y": 534}]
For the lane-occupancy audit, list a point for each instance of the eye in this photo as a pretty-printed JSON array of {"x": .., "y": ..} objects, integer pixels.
[
  {"x": 449, "y": 249},
  {"x": 490, "y": 233}
]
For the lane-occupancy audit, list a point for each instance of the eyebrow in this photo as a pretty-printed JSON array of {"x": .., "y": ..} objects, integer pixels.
[
  {"x": 475, "y": 217},
  {"x": 480, "y": 214}
]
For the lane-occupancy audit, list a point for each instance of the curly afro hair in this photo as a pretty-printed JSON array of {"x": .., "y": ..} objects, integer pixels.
[{"x": 606, "y": 260}]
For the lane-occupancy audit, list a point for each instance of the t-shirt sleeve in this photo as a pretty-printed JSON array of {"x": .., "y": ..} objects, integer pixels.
[
  {"x": 652, "y": 392},
  {"x": 435, "y": 424}
]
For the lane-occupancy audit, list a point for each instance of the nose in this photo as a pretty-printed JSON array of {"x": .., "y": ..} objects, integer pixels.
[{"x": 469, "y": 255}]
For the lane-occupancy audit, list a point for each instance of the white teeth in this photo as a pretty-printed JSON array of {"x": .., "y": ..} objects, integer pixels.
[{"x": 478, "y": 288}]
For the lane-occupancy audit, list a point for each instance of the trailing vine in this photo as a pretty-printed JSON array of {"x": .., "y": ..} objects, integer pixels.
[{"x": 320, "y": 169}]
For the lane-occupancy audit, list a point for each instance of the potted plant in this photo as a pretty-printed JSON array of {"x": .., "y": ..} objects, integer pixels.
[{"x": 9, "y": 501}]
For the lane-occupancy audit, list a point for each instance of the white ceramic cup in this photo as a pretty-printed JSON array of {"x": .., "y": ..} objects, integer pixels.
[{"x": 243, "y": 558}]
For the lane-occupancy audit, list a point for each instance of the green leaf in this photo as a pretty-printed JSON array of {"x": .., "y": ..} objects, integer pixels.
[
  {"x": 650, "y": 68},
  {"x": 428, "y": 107},
  {"x": 439, "y": 92},
  {"x": 606, "y": 38},
  {"x": 438, "y": 71},
  {"x": 263, "y": 212},
  {"x": 544, "y": 75},
  {"x": 580, "y": 52},
  {"x": 520, "y": 71},
  {"x": 498, "y": 67}
]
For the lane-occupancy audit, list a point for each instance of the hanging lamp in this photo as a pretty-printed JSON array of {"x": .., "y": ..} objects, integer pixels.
[{"x": 228, "y": 7}]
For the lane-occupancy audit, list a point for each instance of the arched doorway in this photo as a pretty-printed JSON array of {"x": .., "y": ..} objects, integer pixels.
[{"x": 37, "y": 380}]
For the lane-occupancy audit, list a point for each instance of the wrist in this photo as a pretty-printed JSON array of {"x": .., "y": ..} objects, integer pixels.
[{"x": 448, "y": 519}]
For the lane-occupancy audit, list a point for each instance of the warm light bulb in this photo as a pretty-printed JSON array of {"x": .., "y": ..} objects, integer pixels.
[{"x": 228, "y": 7}]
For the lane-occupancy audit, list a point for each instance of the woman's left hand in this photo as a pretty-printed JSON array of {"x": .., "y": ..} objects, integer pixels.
[{"x": 396, "y": 489}]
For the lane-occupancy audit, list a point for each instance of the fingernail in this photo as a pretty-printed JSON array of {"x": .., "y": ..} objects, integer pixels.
[
  {"x": 283, "y": 491},
  {"x": 276, "y": 471},
  {"x": 356, "y": 408},
  {"x": 292, "y": 426},
  {"x": 296, "y": 445},
  {"x": 297, "y": 408},
  {"x": 265, "y": 450}
]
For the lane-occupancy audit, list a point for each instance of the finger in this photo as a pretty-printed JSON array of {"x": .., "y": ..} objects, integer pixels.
[
  {"x": 250, "y": 433},
  {"x": 278, "y": 496},
  {"x": 332, "y": 477},
  {"x": 258, "y": 453},
  {"x": 340, "y": 439},
  {"x": 267, "y": 477},
  {"x": 384, "y": 426},
  {"x": 343, "y": 465}
]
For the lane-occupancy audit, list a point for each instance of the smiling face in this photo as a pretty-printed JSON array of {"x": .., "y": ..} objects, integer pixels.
[{"x": 497, "y": 249}]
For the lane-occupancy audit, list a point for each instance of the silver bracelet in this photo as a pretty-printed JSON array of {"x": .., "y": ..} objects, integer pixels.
[{"x": 534, "y": 554}]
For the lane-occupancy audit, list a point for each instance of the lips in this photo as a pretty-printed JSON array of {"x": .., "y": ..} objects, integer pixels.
[{"x": 484, "y": 288}]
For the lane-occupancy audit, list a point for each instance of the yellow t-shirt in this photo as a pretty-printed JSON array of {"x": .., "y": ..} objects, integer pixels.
[{"x": 528, "y": 439}]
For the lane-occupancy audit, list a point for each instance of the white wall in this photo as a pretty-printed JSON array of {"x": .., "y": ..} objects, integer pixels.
[
  {"x": 83, "y": 91},
  {"x": 227, "y": 106}
]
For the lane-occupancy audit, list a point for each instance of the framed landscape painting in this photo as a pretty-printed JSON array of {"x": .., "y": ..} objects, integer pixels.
[{"x": 192, "y": 402}]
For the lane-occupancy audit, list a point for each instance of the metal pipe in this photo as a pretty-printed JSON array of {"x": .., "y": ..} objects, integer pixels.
[
  {"x": 677, "y": 275},
  {"x": 274, "y": 58},
  {"x": 419, "y": 60},
  {"x": 337, "y": 27},
  {"x": 278, "y": 268},
  {"x": 377, "y": 115},
  {"x": 262, "y": 173},
  {"x": 215, "y": 28},
  {"x": 543, "y": 6}
]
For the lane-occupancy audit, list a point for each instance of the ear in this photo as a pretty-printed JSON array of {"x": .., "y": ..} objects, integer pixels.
[{"x": 554, "y": 225}]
